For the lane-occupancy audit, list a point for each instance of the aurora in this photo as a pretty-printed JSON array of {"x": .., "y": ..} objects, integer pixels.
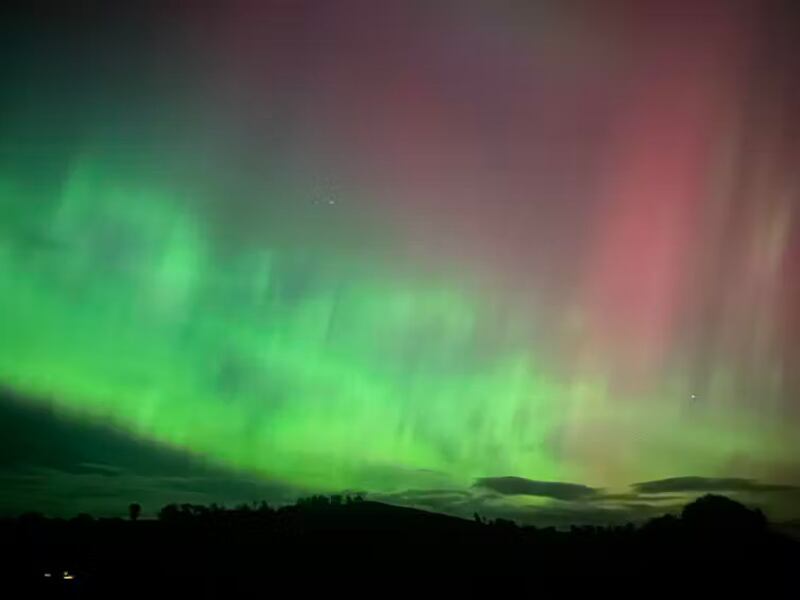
[{"x": 308, "y": 244}]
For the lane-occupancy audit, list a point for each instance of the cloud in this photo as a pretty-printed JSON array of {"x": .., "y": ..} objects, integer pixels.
[
  {"x": 634, "y": 497},
  {"x": 566, "y": 515},
  {"x": 509, "y": 486},
  {"x": 555, "y": 513},
  {"x": 90, "y": 468},
  {"x": 412, "y": 494},
  {"x": 61, "y": 466},
  {"x": 446, "y": 500},
  {"x": 708, "y": 484},
  {"x": 58, "y": 492}
]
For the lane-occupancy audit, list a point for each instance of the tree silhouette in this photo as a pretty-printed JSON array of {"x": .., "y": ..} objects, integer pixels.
[
  {"x": 134, "y": 510},
  {"x": 195, "y": 545},
  {"x": 716, "y": 514}
]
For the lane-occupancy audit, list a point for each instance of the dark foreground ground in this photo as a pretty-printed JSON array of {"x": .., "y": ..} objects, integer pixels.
[{"x": 366, "y": 548}]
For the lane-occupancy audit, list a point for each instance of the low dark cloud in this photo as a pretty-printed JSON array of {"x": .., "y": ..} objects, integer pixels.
[
  {"x": 708, "y": 484},
  {"x": 60, "y": 466},
  {"x": 65, "y": 493},
  {"x": 509, "y": 486},
  {"x": 413, "y": 494},
  {"x": 89, "y": 468},
  {"x": 633, "y": 497},
  {"x": 553, "y": 513},
  {"x": 34, "y": 433},
  {"x": 444, "y": 500},
  {"x": 563, "y": 515},
  {"x": 556, "y": 513}
]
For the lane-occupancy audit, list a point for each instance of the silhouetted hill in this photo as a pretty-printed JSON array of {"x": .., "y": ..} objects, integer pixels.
[
  {"x": 379, "y": 517},
  {"x": 194, "y": 547},
  {"x": 790, "y": 529}
]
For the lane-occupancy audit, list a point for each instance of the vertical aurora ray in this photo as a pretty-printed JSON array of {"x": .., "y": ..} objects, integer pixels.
[{"x": 343, "y": 247}]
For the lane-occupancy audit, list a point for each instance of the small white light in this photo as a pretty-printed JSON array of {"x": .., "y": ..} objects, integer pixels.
[{"x": 48, "y": 575}]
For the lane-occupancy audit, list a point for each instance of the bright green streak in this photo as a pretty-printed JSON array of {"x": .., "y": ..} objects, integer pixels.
[{"x": 268, "y": 360}]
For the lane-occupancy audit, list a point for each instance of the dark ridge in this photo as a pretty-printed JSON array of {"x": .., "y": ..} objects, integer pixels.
[{"x": 192, "y": 548}]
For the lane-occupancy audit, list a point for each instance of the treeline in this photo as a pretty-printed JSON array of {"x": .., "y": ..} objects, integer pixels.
[
  {"x": 183, "y": 512},
  {"x": 711, "y": 514},
  {"x": 711, "y": 526},
  {"x": 348, "y": 535}
]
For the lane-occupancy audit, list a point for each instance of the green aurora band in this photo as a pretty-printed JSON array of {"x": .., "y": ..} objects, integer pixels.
[
  {"x": 129, "y": 317},
  {"x": 303, "y": 368}
]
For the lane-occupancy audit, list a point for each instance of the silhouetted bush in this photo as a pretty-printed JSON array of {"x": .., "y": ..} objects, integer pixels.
[{"x": 134, "y": 510}]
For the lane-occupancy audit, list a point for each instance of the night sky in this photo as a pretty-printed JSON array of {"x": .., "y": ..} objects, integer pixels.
[{"x": 539, "y": 259}]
